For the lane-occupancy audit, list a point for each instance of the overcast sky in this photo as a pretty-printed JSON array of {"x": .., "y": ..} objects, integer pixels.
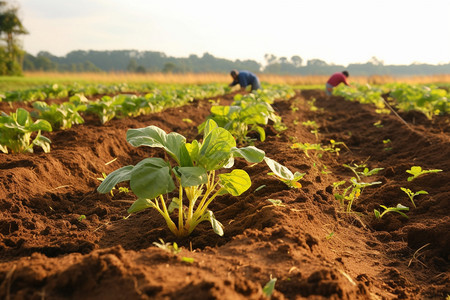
[{"x": 339, "y": 32}]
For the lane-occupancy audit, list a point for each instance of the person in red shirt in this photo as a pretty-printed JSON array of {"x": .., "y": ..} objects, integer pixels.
[{"x": 335, "y": 80}]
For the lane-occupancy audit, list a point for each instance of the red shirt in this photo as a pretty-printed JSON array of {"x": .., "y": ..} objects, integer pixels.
[{"x": 337, "y": 78}]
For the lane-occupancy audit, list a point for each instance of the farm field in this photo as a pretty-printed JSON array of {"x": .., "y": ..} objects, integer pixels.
[{"x": 62, "y": 239}]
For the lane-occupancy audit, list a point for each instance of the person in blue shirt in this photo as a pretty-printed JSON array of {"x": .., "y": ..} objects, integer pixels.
[{"x": 245, "y": 78}]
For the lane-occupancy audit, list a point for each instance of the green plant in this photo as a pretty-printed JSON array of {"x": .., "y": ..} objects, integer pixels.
[
  {"x": 61, "y": 116},
  {"x": 195, "y": 169},
  {"x": 362, "y": 170},
  {"x": 16, "y": 130},
  {"x": 314, "y": 126},
  {"x": 398, "y": 209},
  {"x": 332, "y": 148},
  {"x": 417, "y": 171},
  {"x": 173, "y": 248},
  {"x": 352, "y": 192},
  {"x": 411, "y": 194},
  {"x": 247, "y": 114},
  {"x": 269, "y": 287},
  {"x": 284, "y": 174}
]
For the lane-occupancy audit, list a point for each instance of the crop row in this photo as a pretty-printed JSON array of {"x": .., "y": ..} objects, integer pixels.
[{"x": 430, "y": 100}]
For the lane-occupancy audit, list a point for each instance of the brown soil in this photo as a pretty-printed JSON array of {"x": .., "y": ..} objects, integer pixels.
[{"x": 313, "y": 248}]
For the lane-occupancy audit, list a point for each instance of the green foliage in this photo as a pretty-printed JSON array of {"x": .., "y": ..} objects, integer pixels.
[
  {"x": 247, "y": 114},
  {"x": 411, "y": 194},
  {"x": 398, "y": 209},
  {"x": 351, "y": 193},
  {"x": 417, "y": 171},
  {"x": 195, "y": 173},
  {"x": 17, "y": 129},
  {"x": 61, "y": 116},
  {"x": 429, "y": 100},
  {"x": 362, "y": 170}
]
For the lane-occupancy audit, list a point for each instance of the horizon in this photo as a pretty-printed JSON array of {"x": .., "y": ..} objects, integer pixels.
[{"x": 349, "y": 32}]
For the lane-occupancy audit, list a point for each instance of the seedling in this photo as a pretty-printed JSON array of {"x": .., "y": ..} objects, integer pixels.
[
  {"x": 81, "y": 218},
  {"x": 314, "y": 126},
  {"x": 386, "y": 144},
  {"x": 332, "y": 148},
  {"x": 269, "y": 287},
  {"x": 411, "y": 194},
  {"x": 398, "y": 209},
  {"x": 417, "y": 171},
  {"x": 167, "y": 246},
  {"x": 352, "y": 192},
  {"x": 284, "y": 174},
  {"x": 356, "y": 169},
  {"x": 378, "y": 124},
  {"x": 195, "y": 173}
]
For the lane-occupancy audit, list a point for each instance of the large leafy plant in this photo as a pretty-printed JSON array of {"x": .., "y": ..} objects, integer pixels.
[
  {"x": 194, "y": 169},
  {"x": 19, "y": 133}
]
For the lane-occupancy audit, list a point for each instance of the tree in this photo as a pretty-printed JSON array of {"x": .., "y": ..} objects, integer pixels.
[
  {"x": 297, "y": 60},
  {"x": 10, "y": 28}
]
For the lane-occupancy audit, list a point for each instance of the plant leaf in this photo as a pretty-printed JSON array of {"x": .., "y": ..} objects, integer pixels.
[
  {"x": 278, "y": 169},
  {"x": 140, "y": 204},
  {"x": 216, "y": 149},
  {"x": 119, "y": 175},
  {"x": 235, "y": 182},
  {"x": 152, "y": 136},
  {"x": 250, "y": 154},
  {"x": 151, "y": 178},
  {"x": 192, "y": 176}
]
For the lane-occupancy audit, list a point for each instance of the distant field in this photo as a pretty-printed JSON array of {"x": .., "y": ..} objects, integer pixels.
[{"x": 33, "y": 79}]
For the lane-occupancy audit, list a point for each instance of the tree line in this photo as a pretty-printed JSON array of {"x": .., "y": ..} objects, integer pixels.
[{"x": 150, "y": 61}]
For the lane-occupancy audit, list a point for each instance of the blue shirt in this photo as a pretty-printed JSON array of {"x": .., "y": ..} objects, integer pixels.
[{"x": 244, "y": 79}]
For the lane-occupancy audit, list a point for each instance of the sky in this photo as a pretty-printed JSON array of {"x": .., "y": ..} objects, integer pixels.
[{"x": 337, "y": 32}]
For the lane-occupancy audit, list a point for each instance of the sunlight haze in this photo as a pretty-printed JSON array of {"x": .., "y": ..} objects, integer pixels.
[{"x": 338, "y": 32}]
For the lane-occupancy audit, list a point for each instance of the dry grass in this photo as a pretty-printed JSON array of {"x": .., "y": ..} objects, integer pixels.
[{"x": 193, "y": 78}]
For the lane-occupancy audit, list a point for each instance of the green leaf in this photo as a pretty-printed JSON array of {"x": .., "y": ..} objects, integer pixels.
[
  {"x": 261, "y": 132},
  {"x": 220, "y": 110},
  {"x": 216, "y": 149},
  {"x": 22, "y": 116},
  {"x": 119, "y": 175},
  {"x": 43, "y": 142},
  {"x": 153, "y": 136},
  {"x": 250, "y": 153},
  {"x": 41, "y": 125},
  {"x": 209, "y": 126},
  {"x": 236, "y": 182},
  {"x": 175, "y": 204},
  {"x": 151, "y": 178},
  {"x": 269, "y": 287},
  {"x": 192, "y": 176},
  {"x": 140, "y": 204},
  {"x": 278, "y": 169},
  {"x": 216, "y": 225}
]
